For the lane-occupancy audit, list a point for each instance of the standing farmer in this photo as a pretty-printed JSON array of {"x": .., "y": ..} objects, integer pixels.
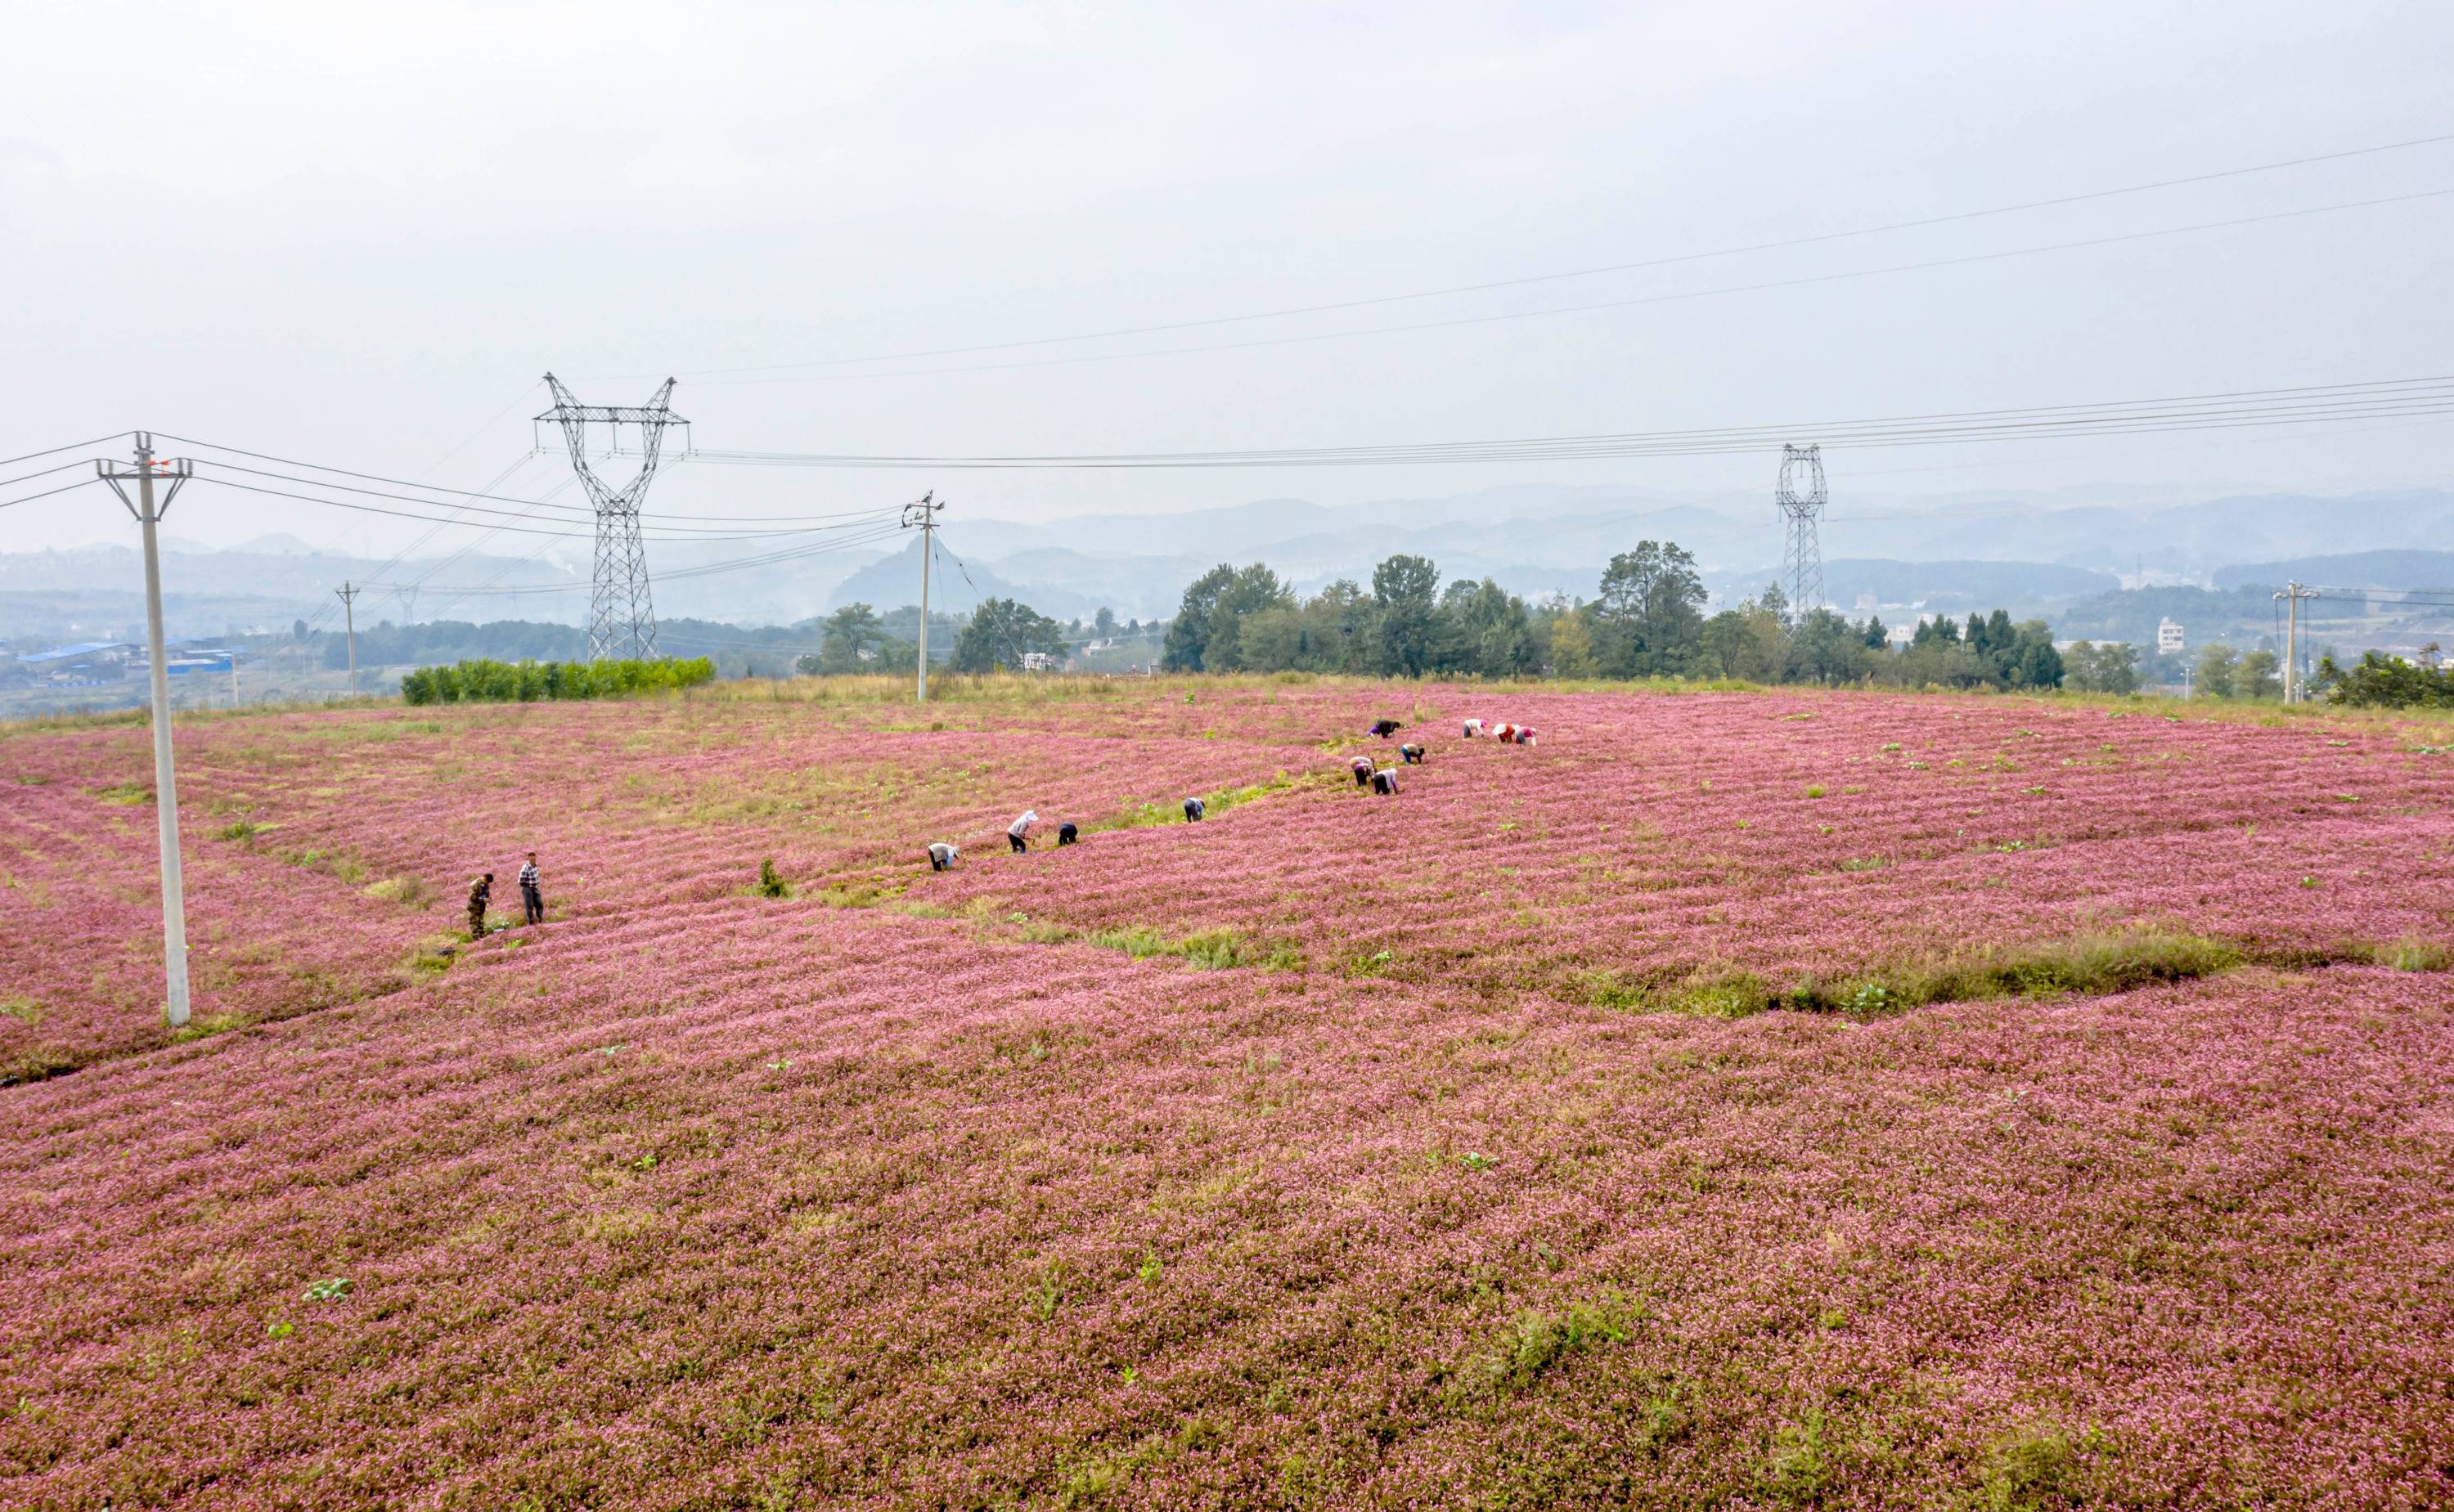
[
  {"x": 531, "y": 893},
  {"x": 482, "y": 892},
  {"x": 1018, "y": 833}
]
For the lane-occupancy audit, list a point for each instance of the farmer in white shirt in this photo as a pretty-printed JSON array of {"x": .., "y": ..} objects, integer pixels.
[
  {"x": 1018, "y": 833},
  {"x": 532, "y": 895},
  {"x": 941, "y": 855}
]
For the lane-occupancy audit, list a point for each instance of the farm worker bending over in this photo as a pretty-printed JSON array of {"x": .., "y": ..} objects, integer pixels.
[
  {"x": 941, "y": 855},
  {"x": 1194, "y": 809},
  {"x": 1503, "y": 733},
  {"x": 1386, "y": 781},
  {"x": 1473, "y": 728},
  {"x": 482, "y": 892},
  {"x": 1065, "y": 833},
  {"x": 1385, "y": 727},
  {"x": 1412, "y": 754},
  {"x": 1362, "y": 765},
  {"x": 1524, "y": 734},
  {"x": 1018, "y": 833}
]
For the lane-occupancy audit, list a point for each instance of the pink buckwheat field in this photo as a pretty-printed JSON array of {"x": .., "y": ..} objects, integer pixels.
[{"x": 1730, "y": 1100}]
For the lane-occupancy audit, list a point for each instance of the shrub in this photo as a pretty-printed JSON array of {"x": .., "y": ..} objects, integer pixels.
[
  {"x": 771, "y": 882},
  {"x": 491, "y": 682}
]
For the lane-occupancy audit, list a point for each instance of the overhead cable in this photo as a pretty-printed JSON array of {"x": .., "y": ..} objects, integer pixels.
[
  {"x": 1580, "y": 272},
  {"x": 1802, "y": 282}
]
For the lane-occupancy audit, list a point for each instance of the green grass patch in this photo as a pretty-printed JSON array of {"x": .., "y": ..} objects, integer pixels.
[
  {"x": 129, "y": 794},
  {"x": 1211, "y": 949},
  {"x": 2089, "y": 965},
  {"x": 40, "y": 1064},
  {"x": 409, "y": 892},
  {"x": 1535, "y": 1342},
  {"x": 207, "y": 1027}
]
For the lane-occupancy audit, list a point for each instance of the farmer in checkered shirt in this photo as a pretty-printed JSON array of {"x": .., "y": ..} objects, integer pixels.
[{"x": 531, "y": 897}]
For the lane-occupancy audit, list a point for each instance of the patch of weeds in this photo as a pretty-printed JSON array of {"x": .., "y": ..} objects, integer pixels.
[
  {"x": 211, "y": 1024},
  {"x": 1149, "y": 1269},
  {"x": 1211, "y": 949},
  {"x": 1865, "y": 863},
  {"x": 1047, "y": 1294},
  {"x": 331, "y": 1288},
  {"x": 22, "y": 1009},
  {"x": 771, "y": 883},
  {"x": 1376, "y": 964},
  {"x": 40, "y": 1064},
  {"x": 858, "y": 894},
  {"x": 2408, "y": 954},
  {"x": 1477, "y": 1161},
  {"x": 241, "y": 829},
  {"x": 278, "y": 1329},
  {"x": 409, "y": 892},
  {"x": 1535, "y": 1342},
  {"x": 1799, "y": 1462},
  {"x": 1814, "y": 789},
  {"x": 2092, "y": 964},
  {"x": 125, "y": 794},
  {"x": 2034, "y": 1468}
]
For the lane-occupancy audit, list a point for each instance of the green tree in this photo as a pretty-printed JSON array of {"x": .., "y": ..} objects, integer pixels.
[
  {"x": 2109, "y": 667},
  {"x": 1572, "y": 642},
  {"x": 845, "y": 634},
  {"x": 1001, "y": 633},
  {"x": 1188, "y": 634},
  {"x": 2258, "y": 676},
  {"x": 1649, "y": 613},
  {"x": 1405, "y": 602},
  {"x": 1485, "y": 629},
  {"x": 1824, "y": 648},
  {"x": 2216, "y": 663},
  {"x": 1103, "y": 625},
  {"x": 1206, "y": 632}
]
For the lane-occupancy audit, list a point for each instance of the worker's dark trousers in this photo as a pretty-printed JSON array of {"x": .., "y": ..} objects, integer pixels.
[
  {"x": 476, "y": 921},
  {"x": 532, "y": 903},
  {"x": 1017, "y": 842}
]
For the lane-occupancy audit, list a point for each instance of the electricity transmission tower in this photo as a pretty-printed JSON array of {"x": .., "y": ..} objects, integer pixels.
[
  {"x": 1801, "y": 495},
  {"x": 622, "y": 620}
]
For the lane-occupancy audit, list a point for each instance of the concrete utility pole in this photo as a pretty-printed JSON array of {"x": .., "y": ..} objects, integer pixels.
[
  {"x": 923, "y": 512},
  {"x": 349, "y": 597},
  {"x": 166, "y": 789},
  {"x": 2293, "y": 593}
]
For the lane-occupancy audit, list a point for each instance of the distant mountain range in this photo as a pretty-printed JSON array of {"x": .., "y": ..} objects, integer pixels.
[{"x": 2026, "y": 552}]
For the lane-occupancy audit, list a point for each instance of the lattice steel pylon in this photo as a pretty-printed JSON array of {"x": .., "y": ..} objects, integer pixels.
[
  {"x": 1801, "y": 497},
  {"x": 622, "y": 616}
]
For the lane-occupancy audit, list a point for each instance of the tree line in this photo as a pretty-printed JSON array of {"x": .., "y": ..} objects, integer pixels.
[{"x": 1648, "y": 620}]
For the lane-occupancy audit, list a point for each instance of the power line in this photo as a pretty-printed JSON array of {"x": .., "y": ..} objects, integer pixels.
[
  {"x": 2231, "y": 409},
  {"x": 1802, "y": 281},
  {"x": 53, "y": 452},
  {"x": 572, "y": 529},
  {"x": 1581, "y": 272},
  {"x": 45, "y": 494}
]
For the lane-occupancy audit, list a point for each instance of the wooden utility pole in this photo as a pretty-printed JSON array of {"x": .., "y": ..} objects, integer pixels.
[{"x": 148, "y": 513}]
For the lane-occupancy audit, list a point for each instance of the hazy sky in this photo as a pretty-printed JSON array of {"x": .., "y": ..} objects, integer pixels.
[{"x": 351, "y": 234}]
